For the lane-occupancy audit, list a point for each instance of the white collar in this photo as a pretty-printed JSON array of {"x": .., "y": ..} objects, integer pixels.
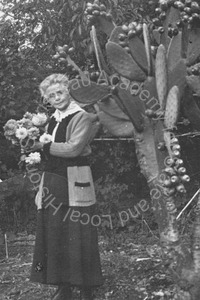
[{"x": 72, "y": 108}]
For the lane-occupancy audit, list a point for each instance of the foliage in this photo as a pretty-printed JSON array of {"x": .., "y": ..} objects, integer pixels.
[{"x": 30, "y": 31}]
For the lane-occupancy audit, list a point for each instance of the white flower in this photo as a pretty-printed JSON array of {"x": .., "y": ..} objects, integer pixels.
[
  {"x": 33, "y": 158},
  {"x": 10, "y": 127},
  {"x": 45, "y": 138},
  {"x": 27, "y": 123},
  {"x": 33, "y": 132},
  {"x": 21, "y": 133},
  {"x": 28, "y": 115},
  {"x": 39, "y": 119}
]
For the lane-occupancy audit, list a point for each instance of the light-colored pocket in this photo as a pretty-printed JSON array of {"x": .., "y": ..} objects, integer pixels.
[{"x": 80, "y": 186}]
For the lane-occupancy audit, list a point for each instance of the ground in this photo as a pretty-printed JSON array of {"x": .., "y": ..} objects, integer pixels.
[{"x": 131, "y": 263}]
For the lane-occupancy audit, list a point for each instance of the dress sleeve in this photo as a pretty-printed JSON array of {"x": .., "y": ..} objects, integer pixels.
[{"x": 80, "y": 131}]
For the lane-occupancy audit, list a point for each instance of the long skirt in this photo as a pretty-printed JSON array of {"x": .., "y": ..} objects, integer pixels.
[{"x": 66, "y": 247}]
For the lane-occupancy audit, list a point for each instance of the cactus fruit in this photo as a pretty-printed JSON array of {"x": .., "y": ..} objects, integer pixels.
[
  {"x": 87, "y": 91},
  {"x": 123, "y": 63},
  {"x": 117, "y": 35},
  {"x": 150, "y": 113},
  {"x": 96, "y": 14},
  {"x": 180, "y": 188},
  {"x": 172, "y": 108},
  {"x": 174, "y": 179},
  {"x": 170, "y": 171},
  {"x": 170, "y": 161},
  {"x": 161, "y": 146},
  {"x": 181, "y": 170},
  {"x": 185, "y": 178},
  {"x": 170, "y": 191},
  {"x": 176, "y": 153},
  {"x": 174, "y": 141},
  {"x": 63, "y": 51},
  {"x": 167, "y": 183},
  {"x": 170, "y": 206},
  {"x": 194, "y": 84},
  {"x": 179, "y": 163},
  {"x": 161, "y": 75},
  {"x": 194, "y": 70},
  {"x": 176, "y": 147}
]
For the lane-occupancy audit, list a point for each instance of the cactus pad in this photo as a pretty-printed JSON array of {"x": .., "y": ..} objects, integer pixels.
[
  {"x": 172, "y": 108},
  {"x": 138, "y": 53},
  {"x": 178, "y": 76},
  {"x": 193, "y": 49},
  {"x": 116, "y": 126},
  {"x": 173, "y": 16},
  {"x": 133, "y": 107},
  {"x": 156, "y": 36},
  {"x": 123, "y": 63},
  {"x": 167, "y": 139},
  {"x": 105, "y": 25},
  {"x": 110, "y": 107},
  {"x": 191, "y": 109},
  {"x": 114, "y": 37},
  {"x": 152, "y": 101},
  {"x": 174, "y": 51},
  {"x": 147, "y": 48},
  {"x": 161, "y": 75},
  {"x": 194, "y": 83},
  {"x": 87, "y": 91},
  {"x": 99, "y": 55}
]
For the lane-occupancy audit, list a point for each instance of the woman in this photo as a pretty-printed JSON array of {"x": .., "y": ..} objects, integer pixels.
[{"x": 66, "y": 250}]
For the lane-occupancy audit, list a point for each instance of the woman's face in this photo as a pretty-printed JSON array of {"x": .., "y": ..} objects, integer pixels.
[{"x": 58, "y": 96}]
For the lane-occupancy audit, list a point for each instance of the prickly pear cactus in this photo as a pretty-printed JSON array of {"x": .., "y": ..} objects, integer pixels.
[{"x": 139, "y": 93}]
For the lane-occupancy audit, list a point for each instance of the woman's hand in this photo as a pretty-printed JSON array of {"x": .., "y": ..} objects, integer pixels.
[{"x": 36, "y": 146}]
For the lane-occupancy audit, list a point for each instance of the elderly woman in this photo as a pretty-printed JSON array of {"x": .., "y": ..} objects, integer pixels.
[{"x": 66, "y": 250}]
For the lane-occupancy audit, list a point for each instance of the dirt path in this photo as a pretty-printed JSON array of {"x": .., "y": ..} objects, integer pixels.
[{"x": 132, "y": 271}]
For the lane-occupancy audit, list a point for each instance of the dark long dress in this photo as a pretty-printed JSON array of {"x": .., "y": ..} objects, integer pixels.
[{"x": 66, "y": 248}]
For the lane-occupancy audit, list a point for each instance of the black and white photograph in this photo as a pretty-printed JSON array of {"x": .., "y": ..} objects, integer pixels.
[{"x": 99, "y": 150}]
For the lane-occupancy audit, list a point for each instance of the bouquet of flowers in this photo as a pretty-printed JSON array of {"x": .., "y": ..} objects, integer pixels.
[{"x": 25, "y": 132}]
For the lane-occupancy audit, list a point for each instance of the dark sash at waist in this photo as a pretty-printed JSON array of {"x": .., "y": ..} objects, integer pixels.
[{"x": 58, "y": 165}]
